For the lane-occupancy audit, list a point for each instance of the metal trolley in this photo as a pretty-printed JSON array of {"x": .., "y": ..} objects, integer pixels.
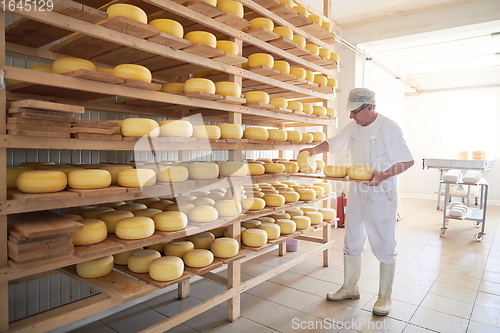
[{"x": 478, "y": 215}]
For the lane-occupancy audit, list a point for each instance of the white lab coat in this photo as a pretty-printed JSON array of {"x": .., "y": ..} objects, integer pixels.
[{"x": 371, "y": 211}]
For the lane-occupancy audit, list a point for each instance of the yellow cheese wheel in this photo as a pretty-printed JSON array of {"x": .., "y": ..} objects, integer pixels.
[
  {"x": 132, "y": 12},
  {"x": 257, "y": 97},
  {"x": 335, "y": 57},
  {"x": 313, "y": 48},
  {"x": 306, "y": 162},
  {"x": 235, "y": 169},
  {"x": 172, "y": 174},
  {"x": 252, "y": 203},
  {"x": 307, "y": 108},
  {"x": 260, "y": 59},
  {"x": 228, "y": 46},
  {"x": 64, "y": 65},
  {"x": 282, "y": 66},
  {"x": 318, "y": 136},
  {"x": 89, "y": 179},
  {"x": 202, "y": 240},
  {"x": 274, "y": 167},
  {"x": 336, "y": 171},
  {"x": 140, "y": 127},
  {"x": 201, "y": 37},
  {"x": 173, "y": 88},
  {"x": 148, "y": 212},
  {"x": 331, "y": 112},
  {"x": 122, "y": 257},
  {"x": 135, "y": 228},
  {"x": 327, "y": 26},
  {"x": 256, "y": 169},
  {"x": 111, "y": 218},
  {"x": 321, "y": 79},
  {"x": 261, "y": 22},
  {"x": 293, "y": 136},
  {"x": 206, "y": 131},
  {"x": 227, "y": 208},
  {"x": 132, "y": 207},
  {"x": 266, "y": 219},
  {"x": 233, "y": 7},
  {"x": 320, "y": 191},
  {"x": 251, "y": 224},
  {"x": 203, "y": 201},
  {"x": 231, "y": 131},
  {"x": 228, "y": 89},
  {"x": 306, "y": 209},
  {"x": 289, "y": 182},
  {"x": 274, "y": 200},
  {"x": 136, "y": 178},
  {"x": 332, "y": 82},
  {"x": 301, "y": 10},
  {"x": 307, "y": 194},
  {"x": 287, "y": 226},
  {"x": 13, "y": 173},
  {"x": 198, "y": 258},
  {"x": 277, "y": 134},
  {"x": 299, "y": 72},
  {"x": 200, "y": 170},
  {"x": 140, "y": 260},
  {"x": 319, "y": 110},
  {"x": 178, "y": 248},
  {"x": 41, "y": 181},
  {"x": 279, "y": 102},
  {"x": 135, "y": 72},
  {"x": 360, "y": 172},
  {"x": 309, "y": 76},
  {"x": 291, "y": 167},
  {"x": 281, "y": 216},
  {"x": 329, "y": 214},
  {"x": 114, "y": 170},
  {"x": 284, "y": 32},
  {"x": 273, "y": 230},
  {"x": 199, "y": 85},
  {"x": 42, "y": 68},
  {"x": 161, "y": 205},
  {"x": 94, "y": 231},
  {"x": 183, "y": 207},
  {"x": 326, "y": 186},
  {"x": 225, "y": 247},
  {"x": 254, "y": 237},
  {"x": 307, "y": 137},
  {"x": 302, "y": 222},
  {"x": 256, "y": 133},
  {"x": 74, "y": 217},
  {"x": 166, "y": 268},
  {"x": 203, "y": 214},
  {"x": 300, "y": 40},
  {"x": 315, "y": 18},
  {"x": 294, "y": 212},
  {"x": 95, "y": 268},
  {"x": 168, "y": 26},
  {"x": 295, "y": 106},
  {"x": 291, "y": 196},
  {"x": 95, "y": 212},
  {"x": 180, "y": 128},
  {"x": 316, "y": 217}
]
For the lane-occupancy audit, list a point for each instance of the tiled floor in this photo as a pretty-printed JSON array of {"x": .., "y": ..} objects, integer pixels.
[{"x": 442, "y": 284}]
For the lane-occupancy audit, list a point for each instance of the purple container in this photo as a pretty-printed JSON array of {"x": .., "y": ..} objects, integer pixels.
[{"x": 292, "y": 245}]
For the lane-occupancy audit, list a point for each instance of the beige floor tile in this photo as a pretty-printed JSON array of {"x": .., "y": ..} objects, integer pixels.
[
  {"x": 475, "y": 327},
  {"x": 408, "y": 295},
  {"x": 334, "y": 311},
  {"x": 133, "y": 319},
  {"x": 399, "y": 310},
  {"x": 241, "y": 325},
  {"x": 485, "y": 315},
  {"x": 491, "y": 276},
  {"x": 265, "y": 289},
  {"x": 459, "y": 280},
  {"x": 471, "y": 260},
  {"x": 313, "y": 286},
  {"x": 438, "y": 321},
  {"x": 413, "y": 281},
  {"x": 490, "y": 287},
  {"x": 205, "y": 289},
  {"x": 170, "y": 307},
  {"x": 369, "y": 284},
  {"x": 305, "y": 323},
  {"x": 246, "y": 301},
  {"x": 421, "y": 272},
  {"x": 489, "y": 300},
  {"x": 364, "y": 321},
  {"x": 269, "y": 314},
  {"x": 420, "y": 261},
  {"x": 181, "y": 329},
  {"x": 473, "y": 273},
  {"x": 286, "y": 278},
  {"x": 493, "y": 264},
  {"x": 455, "y": 292},
  {"x": 416, "y": 329},
  {"x": 447, "y": 305},
  {"x": 253, "y": 268},
  {"x": 293, "y": 298},
  {"x": 207, "y": 320},
  {"x": 328, "y": 274},
  {"x": 95, "y": 327},
  {"x": 304, "y": 268}
]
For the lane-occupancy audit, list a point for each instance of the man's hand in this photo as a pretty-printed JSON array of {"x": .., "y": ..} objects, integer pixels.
[
  {"x": 311, "y": 151},
  {"x": 378, "y": 177}
]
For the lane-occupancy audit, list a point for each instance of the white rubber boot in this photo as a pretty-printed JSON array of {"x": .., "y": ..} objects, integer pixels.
[
  {"x": 383, "y": 303},
  {"x": 349, "y": 290}
]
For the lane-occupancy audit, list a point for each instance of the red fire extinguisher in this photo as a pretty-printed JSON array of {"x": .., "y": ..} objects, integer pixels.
[{"x": 341, "y": 210}]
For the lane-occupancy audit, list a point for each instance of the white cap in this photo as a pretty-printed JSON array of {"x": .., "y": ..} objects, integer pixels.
[{"x": 358, "y": 97}]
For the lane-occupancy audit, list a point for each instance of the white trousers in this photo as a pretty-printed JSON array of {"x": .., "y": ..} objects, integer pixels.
[{"x": 371, "y": 215}]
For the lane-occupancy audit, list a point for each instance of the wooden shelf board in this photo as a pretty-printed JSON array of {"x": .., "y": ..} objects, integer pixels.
[
  {"x": 140, "y": 84},
  {"x": 298, "y": 51},
  {"x": 230, "y": 59},
  {"x": 147, "y": 279},
  {"x": 136, "y": 243},
  {"x": 130, "y": 27},
  {"x": 283, "y": 43},
  {"x": 285, "y": 77},
  {"x": 203, "y": 50},
  {"x": 232, "y": 20},
  {"x": 233, "y": 100},
  {"x": 263, "y": 34},
  {"x": 267, "y": 3},
  {"x": 85, "y": 47},
  {"x": 43, "y": 223},
  {"x": 113, "y": 189},
  {"x": 284, "y": 11},
  {"x": 169, "y": 40},
  {"x": 40, "y": 89},
  {"x": 204, "y": 95},
  {"x": 204, "y": 8},
  {"x": 263, "y": 70},
  {"x": 101, "y": 248},
  {"x": 259, "y": 105},
  {"x": 95, "y": 76},
  {"x": 15, "y": 194},
  {"x": 202, "y": 270}
]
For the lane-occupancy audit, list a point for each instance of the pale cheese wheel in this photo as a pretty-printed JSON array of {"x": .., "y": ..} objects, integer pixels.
[
  {"x": 184, "y": 207},
  {"x": 251, "y": 224},
  {"x": 335, "y": 57},
  {"x": 140, "y": 260},
  {"x": 166, "y": 268},
  {"x": 135, "y": 228},
  {"x": 95, "y": 212},
  {"x": 94, "y": 231},
  {"x": 256, "y": 133},
  {"x": 300, "y": 40},
  {"x": 331, "y": 112},
  {"x": 274, "y": 167},
  {"x": 203, "y": 214},
  {"x": 319, "y": 110},
  {"x": 136, "y": 178},
  {"x": 254, "y": 237},
  {"x": 201, "y": 170},
  {"x": 132, "y": 12},
  {"x": 64, "y": 65},
  {"x": 132, "y": 71},
  {"x": 89, "y": 179},
  {"x": 260, "y": 60},
  {"x": 309, "y": 76},
  {"x": 273, "y": 230},
  {"x": 132, "y": 207},
  {"x": 179, "y": 128},
  {"x": 274, "y": 200},
  {"x": 257, "y": 97},
  {"x": 326, "y": 186},
  {"x": 228, "y": 89},
  {"x": 199, "y": 85},
  {"x": 277, "y": 134},
  {"x": 282, "y": 216},
  {"x": 302, "y": 222},
  {"x": 216, "y": 196},
  {"x": 315, "y": 18},
  {"x": 306, "y": 162},
  {"x": 161, "y": 205},
  {"x": 149, "y": 212},
  {"x": 266, "y": 219},
  {"x": 231, "y": 131},
  {"x": 233, "y": 169},
  {"x": 140, "y": 127},
  {"x": 173, "y": 88},
  {"x": 294, "y": 212},
  {"x": 307, "y": 194},
  {"x": 41, "y": 181},
  {"x": 307, "y": 137},
  {"x": 170, "y": 221},
  {"x": 256, "y": 169},
  {"x": 201, "y": 37},
  {"x": 320, "y": 191},
  {"x": 206, "y": 132},
  {"x": 114, "y": 170},
  {"x": 318, "y": 136},
  {"x": 233, "y": 7},
  {"x": 359, "y": 172},
  {"x": 291, "y": 196},
  {"x": 335, "y": 171},
  {"x": 293, "y": 136},
  {"x": 327, "y": 26},
  {"x": 332, "y": 83},
  {"x": 225, "y": 247},
  {"x": 320, "y": 165},
  {"x": 178, "y": 248},
  {"x": 316, "y": 217},
  {"x": 329, "y": 214},
  {"x": 299, "y": 72},
  {"x": 252, "y": 203},
  {"x": 228, "y": 208},
  {"x": 296, "y": 106},
  {"x": 324, "y": 52},
  {"x": 287, "y": 226},
  {"x": 203, "y": 201},
  {"x": 172, "y": 174},
  {"x": 306, "y": 209},
  {"x": 307, "y": 108},
  {"x": 13, "y": 173},
  {"x": 291, "y": 167},
  {"x": 261, "y": 22},
  {"x": 198, "y": 258},
  {"x": 95, "y": 268},
  {"x": 168, "y": 26},
  {"x": 122, "y": 257}
]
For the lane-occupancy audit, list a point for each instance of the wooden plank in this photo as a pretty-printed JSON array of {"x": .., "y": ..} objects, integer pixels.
[
  {"x": 147, "y": 279},
  {"x": 284, "y": 11},
  {"x": 81, "y": 129},
  {"x": 204, "y": 8},
  {"x": 298, "y": 21},
  {"x": 39, "y": 245},
  {"x": 259, "y": 105},
  {"x": 38, "y": 256},
  {"x": 204, "y": 95},
  {"x": 263, "y": 34},
  {"x": 17, "y": 238},
  {"x": 66, "y": 116},
  {"x": 230, "y": 59},
  {"x": 136, "y": 243},
  {"x": 203, "y": 50},
  {"x": 140, "y": 85},
  {"x": 38, "y": 133},
  {"x": 285, "y": 77},
  {"x": 63, "y": 195},
  {"x": 101, "y": 248},
  {"x": 233, "y": 21},
  {"x": 233, "y": 100},
  {"x": 30, "y": 127},
  {"x": 298, "y": 51},
  {"x": 130, "y": 27},
  {"x": 33, "y": 33},
  {"x": 267, "y": 3},
  {"x": 99, "y": 192},
  {"x": 40, "y": 116},
  {"x": 202, "y": 270},
  {"x": 283, "y": 43},
  {"x": 95, "y": 76},
  {"x": 95, "y": 136},
  {"x": 93, "y": 123},
  {"x": 80, "y": 11},
  {"x": 115, "y": 285},
  {"x": 24, "y": 121},
  {"x": 85, "y": 47},
  {"x": 50, "y": 106},
  {"x": 263, "y": 70},
  {"x": 123, "y": 55},
  {"x": 169, "y": 40},
  {"x": 44, "y": 90},
  {"x": 43, "y": 223}
]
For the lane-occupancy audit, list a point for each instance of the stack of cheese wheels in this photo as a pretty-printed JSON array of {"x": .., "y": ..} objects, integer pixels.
[
  {"x": 360, "y": 172},
  {"x": 89, "y": 179},
  {"x": 170, "y": 221},
  {"x": 273, "y": 230},
  {"x": 203, "y": 213},
  {"x": 114, "y": 170},
  {"x": 225, "y": 247},
  {"x": 234, "y": 169},
  {"x": 140, "y": 127},
  {"x": 136, "y": 178},
  {"x": 287, "y": 226},
  {"x": 180, "y": 128},
  {"x": 203, "y": 170},
  {"x": 95, "y": 268},
  {"x": 302, "y": 222},
  {"x": 201, "y": 37},
  {"x": 178, "y": 248},
  {"x": 139, "y": 261},
  {"x": 329, "y": 214},
  {"x": 135, "y": 228},
  {"x": 94, "y": 231},
  {"x": 231, "y": 131},
  {"x": 134, "y": 72},
  {"x": 166, "y": 268},
  {"x": 122, "y": 257},
  {"x": 254, "y": 237},
  {"x": 252, "y": 203},
  {"x": 306, "y": 162},
  {"x": 228, "y": 208},
  {"x": 65, "y": 65},
  {"x": 206, "y": 132},
  {"x": 479, "y": 155},
  {"x": 132, "y": 12},
  {"x": 172, "y": 174},
  {"x": 198, "y": 258},
  {"x": 256, "y": 133},
  {"x": 335, "y": 171},
  {"x": 41, "y": 181}
]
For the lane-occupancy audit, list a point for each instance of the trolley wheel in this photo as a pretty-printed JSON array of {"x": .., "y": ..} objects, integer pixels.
[
  {"x": 477, "y": 224},
  {"x": 479, "y": 237},
  {"x": 443, "y": 231}
]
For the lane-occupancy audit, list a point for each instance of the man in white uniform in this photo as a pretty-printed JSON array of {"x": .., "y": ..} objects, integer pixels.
[{"x": 372, "y": 140}]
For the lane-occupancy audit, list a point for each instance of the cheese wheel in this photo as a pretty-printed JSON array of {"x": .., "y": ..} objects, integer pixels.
[
  {"x": 135, "y": 72},
  {"x": 260, "y": 60},
  {"x": 184, "y": 207},
  {"x": 326, "y": 186},
  {"x": 324, "y": 52},
  {"x": 359, "y": 172},
  {"x": 306, "y": 209},
  {"x": 277, "y": 134},
  {"x": 94, "y": 231},
  {"x": 135, "y": 228},
  {"x": 140, "y": 127},
  {"x": 301, "y": 10},
  {"x": 149, "y": 212},
  {"x": 294, "y": 212},
  {"x": 180, "y": 128},
  {"x": 306, "y": 162},
  {"x": 231, "y": 131},
  {"x": 132, "y": 207},
  {"x": 284, "y": 32},
  {"x": 166, "y": 268},
  {"x": 307, "y": 137},
  {"x": 329, "y": 214},
  {"x": 132, "y": 12},
  {"x": 254, "y": 237},
  {"x": 206, "y": 131},
  {"x": 318, "y": 136},
  {"x": 321, "y": 80},
  {"x": 274, "y": 167},
  {"x": 173, "y": 88},
  {"x": 307, "y": 108},
  {"x": 291, "y": 196},
  {"x": 257, "y": 97},
  {"x": 95, "y": 268},
  {"x": 274, "y": 200},
  {"x": 266, "y": 219},
  {"x": 261, "y": 22},
  {"x": 200, "y": 170},
  {"x": 65, "y": 65},
  {"x": 172, "y": 174},
  {"x": 287, "y": 226},
  {"x": 314, "y": 49},
  {"x": 203, "y": 201},
  {"x": 140, "y": 260},
  {"x": 291, "y": 167},
  {"x": 233, "y": 7},
  {"x": 252, "y": 203},
  {"x": 309, "y": 76},
  {"x": 161, "y": 205},
  {"x": 336, "y": 171},
  {"x": 302, "y": 222},
  {"x": 335, "y": 57},
  {"x": 228, "y": 89},
  {"x": 295, "y": 106},
  {"x": 316, "y": 217},
  {"x": 256, "y": 133},
  {"x": 293, "y": 136},
  {"x": 201, "y": 37},
  {"x": 13, "y": 173},
  {"x": 198, "y": 258},
  {"x": 89, "y": 179},
  {"x": 41, "y": 181},
  {"x": 307, "y": 194},
  {"x": 299, "y": 72},
  {"x": 225, "y": 247},
  {"x": 282, "y": 66},
  {"x": 315, "y": 18},
  {"x": 235, "y": 169},
  {"x": 199, "y": 85},
  {"x": 202, "y": 240},
  {"x": 331, "y": 112},
  {"x": 136, "y": 178},
  {"x": 95, "y": 212},
  {"x": 178, "y": 248},
  {"x": 228, "y": 208},
  {"x": 332, "y": 82},
  {"x": 319, "y": 110},
  {"x": 122, "y": 257},
  {"x": 168, "y": 26},
  {"x": 273, "y": 230},
  {"x": 327, "y": 26},
  {"x": 114, "y": 170},
  {"x": 251, "y": 224},
  {"x": 279, "y": 102},
  {"x": 203, "y": 214},
  {"x": 216, "y": 196},
  {"x": 211, "y": 2},
  {"x": 320, "y": 191},
  {"x": 300, "y": 40},
  {"x": 74, "y": 217},
  {"x": 256, "y": 169},
  {"x": 320, "y": 165},
  {"x": 280, "y": 216}
]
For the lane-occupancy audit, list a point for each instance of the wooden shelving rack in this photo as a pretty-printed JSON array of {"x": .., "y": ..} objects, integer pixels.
[{"x": 122, "y": 41}]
